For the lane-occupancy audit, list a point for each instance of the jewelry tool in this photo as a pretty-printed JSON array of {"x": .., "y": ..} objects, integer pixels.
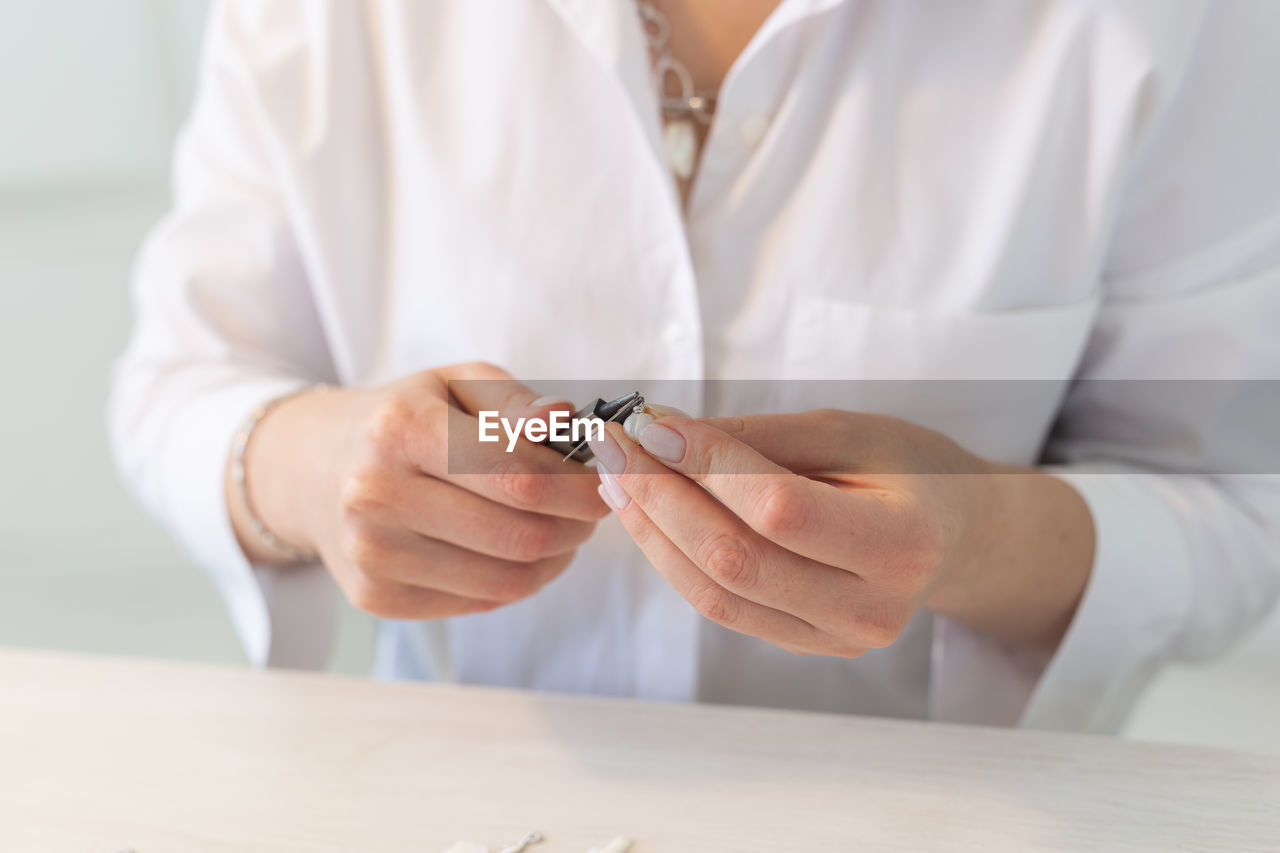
[{"x": 616, "y": 411}]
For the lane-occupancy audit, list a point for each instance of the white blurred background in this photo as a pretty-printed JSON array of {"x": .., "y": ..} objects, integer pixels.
[{"x": 91, "y": 95}]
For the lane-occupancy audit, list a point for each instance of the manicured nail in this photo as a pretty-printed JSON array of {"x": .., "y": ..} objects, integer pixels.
[
  {"x": 613, "y": 493},
  {"x": 663, "y": 443},
  {"x": 550, "y": 401},
  {"x": 611, "y": 457},
  {"x": 604, "y": 496}
]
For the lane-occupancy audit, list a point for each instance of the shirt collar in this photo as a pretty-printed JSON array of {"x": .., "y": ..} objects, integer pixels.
[{"x": 610, "y": 30}]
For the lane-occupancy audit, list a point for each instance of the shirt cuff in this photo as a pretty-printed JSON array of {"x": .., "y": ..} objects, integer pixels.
[
  {"x": 284, "y": 617},
  {"x": 1136, "y": 600}
]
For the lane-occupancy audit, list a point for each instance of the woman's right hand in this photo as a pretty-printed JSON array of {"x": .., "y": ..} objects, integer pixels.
[{"x": 363, "y": 479}]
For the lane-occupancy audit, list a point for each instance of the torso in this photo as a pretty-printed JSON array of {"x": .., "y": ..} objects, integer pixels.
[{"x": 472, "y": 180}]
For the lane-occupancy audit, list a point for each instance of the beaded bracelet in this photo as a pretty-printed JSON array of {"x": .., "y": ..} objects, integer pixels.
[{"x": 238, "y": 448}]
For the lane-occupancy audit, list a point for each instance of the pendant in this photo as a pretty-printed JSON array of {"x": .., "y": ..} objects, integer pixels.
[
  {"x": 680, "y": 142},
  {"x": 636, "y": 424}
]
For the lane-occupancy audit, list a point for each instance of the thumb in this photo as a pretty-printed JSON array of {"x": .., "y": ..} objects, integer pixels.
[
  {"x": 481, "y": 387},
  {"x": 801, "y": 443}
]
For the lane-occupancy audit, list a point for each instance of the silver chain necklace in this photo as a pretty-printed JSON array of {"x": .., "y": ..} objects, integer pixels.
[{"x": 683, "y": 106}]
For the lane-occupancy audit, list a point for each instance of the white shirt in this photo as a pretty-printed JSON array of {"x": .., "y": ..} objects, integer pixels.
[{"x": 988, "y": 189}]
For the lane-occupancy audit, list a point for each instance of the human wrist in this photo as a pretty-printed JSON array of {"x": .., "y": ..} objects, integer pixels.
[
  {"x": 985, "y": 509},
  {"x": 1027, "y": 559},
  {"x": 273, "y": 479}
]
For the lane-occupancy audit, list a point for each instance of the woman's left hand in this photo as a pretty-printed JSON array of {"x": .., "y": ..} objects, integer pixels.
[{"x": 825, "y": 532}]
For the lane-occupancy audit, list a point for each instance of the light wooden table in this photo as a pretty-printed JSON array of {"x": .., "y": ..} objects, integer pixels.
[{"x": 99, "y": 756}]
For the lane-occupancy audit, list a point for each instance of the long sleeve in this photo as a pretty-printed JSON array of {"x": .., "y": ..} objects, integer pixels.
[
  {"x": 224, "y": 322},
  {"x": 1169, "y": 434}
]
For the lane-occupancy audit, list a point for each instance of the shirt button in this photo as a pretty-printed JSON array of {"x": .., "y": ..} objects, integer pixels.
[{"x": 753, "y": 129}]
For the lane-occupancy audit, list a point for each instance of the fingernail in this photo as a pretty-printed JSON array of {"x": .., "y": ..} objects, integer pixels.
[
  {"x": 611, "y": 457},
  {"x": 613, "y": 493},
  {"x": 663, "y": 443},
  {"x": 550, "y": 401}
]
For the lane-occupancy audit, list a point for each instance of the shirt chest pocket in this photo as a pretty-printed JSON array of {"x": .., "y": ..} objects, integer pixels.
[{"x": 994, "y": 381}]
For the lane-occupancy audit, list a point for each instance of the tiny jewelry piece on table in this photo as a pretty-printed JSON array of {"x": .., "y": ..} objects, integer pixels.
[
  {"x": 621, "y": 844},
  {"x": 524, "y": 844}
]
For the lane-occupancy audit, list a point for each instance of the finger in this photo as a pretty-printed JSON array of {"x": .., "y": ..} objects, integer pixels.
[
  {"x": 818, "y": 442},
  {"x": 666, "y": 411},
  {"x": 480, "y": 387},
  {"x": 530, "y": 477},
  {"x": 712, "y": 600},
  {"x": 421, "y": 427},
  {"x": 787, "y": 440},
  {"x": 728, "y": 552},
  {"x": 815, "y": 519},
  {"x": 405, "y": 558},
  {"x": 402, "y": 601},
  {"x": 441, "y": 510}
]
